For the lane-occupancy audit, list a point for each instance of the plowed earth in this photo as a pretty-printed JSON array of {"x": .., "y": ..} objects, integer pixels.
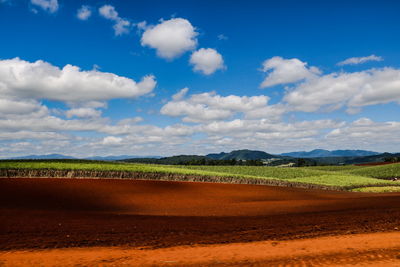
[{"x": 109, "y": 221}]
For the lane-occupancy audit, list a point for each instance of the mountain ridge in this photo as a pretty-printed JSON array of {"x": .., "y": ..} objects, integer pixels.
[
  {"x": 320, "y": 153},
  {"x": 243, "y": 154}
]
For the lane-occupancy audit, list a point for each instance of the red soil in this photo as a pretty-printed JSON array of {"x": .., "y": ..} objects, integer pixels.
[
  {"x": 60, "y": 213},
  {"x": 379, "y": 249}
]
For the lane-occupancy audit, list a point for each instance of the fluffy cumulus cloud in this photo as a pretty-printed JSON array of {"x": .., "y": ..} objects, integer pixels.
[
  {"x": 359, "y": 133},
  {"x": 284, "y": 71},
  {"x": 210, "y": 106},
  {"x": 23, "y": 115},
  {"x": 84, "y": 12},
  {"x": 10, "y": 106},
  {"x": 171, "y": 38},
  {"x": 207, "y": 61},
  {"x": 41, "y": 80},
  {"x": 352, "y": 90},
  {"x": 47, "y": 5},
  {"x": 314, "y": 91},
  {"x": 121, "y": 25},
  {"x": 359, "y": 60},
  {"x": 207, "y": 122}
]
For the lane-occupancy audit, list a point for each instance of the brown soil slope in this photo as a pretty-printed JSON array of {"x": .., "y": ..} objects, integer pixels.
[{"x": 54, "y": 213}]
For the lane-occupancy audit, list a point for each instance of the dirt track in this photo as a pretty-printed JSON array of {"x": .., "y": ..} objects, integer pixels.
[{"x": 62, "y": 213}]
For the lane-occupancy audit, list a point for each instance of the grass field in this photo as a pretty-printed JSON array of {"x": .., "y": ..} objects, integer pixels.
[{"x": 342, "y": 176}]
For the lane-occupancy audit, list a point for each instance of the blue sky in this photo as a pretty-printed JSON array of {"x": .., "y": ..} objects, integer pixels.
[{"x": 277, "y": 76}]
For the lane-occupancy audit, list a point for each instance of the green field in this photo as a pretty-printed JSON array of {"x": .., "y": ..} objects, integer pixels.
[
  {"x": 381, "y": 189},
  {"x": 383, "y": 171},
  {"x": 348, "y": 177}
]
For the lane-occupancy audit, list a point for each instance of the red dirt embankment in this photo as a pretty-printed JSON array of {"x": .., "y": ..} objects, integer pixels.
[{"x": 56, "y": 213}]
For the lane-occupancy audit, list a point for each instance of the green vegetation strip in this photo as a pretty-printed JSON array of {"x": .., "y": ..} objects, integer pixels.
[
  {"x": 383, "y": 171},
  {"x": 382, "y": 189},
  {"x": 109, "y": 166},
  {"x": 344, "y": 177}
]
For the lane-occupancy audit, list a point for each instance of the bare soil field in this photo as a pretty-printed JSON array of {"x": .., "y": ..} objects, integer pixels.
[{"x": 58, "y": 221}]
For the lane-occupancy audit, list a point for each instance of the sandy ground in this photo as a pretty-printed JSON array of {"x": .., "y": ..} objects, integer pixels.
[{"x": 53, "y": 222}]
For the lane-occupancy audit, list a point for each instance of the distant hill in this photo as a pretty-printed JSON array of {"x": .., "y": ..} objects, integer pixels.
[
  {"x": 243, "y": 157},
  {"x": 100, "y": 158},
  {"x": 174, "y": 160},
  {"x": 244, "y": 154},
  {"x": 120, "y": 157},
  {"x": 374, "y": 158},
  {"x": 354, "y": 160},
  {"x": 321, "y": 153},
  {"x": 238, "y": 157},
  {"x": 48, "y": 156}
]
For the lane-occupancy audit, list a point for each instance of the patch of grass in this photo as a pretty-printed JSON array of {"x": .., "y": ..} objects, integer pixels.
[
  {"x": 382, "y": 171},
  {"x": 382, "y": 189},
  {"x": 336, "y": 168},
  {"x": 261, "y": 171},
  {"x": 301, "y": 175},
  {"x": 342, "y": 180}
]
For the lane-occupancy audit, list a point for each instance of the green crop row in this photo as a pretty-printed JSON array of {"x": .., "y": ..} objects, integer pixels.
[
  {"x": 342, "y": 176},
  {"x": 382, "y": 171}
]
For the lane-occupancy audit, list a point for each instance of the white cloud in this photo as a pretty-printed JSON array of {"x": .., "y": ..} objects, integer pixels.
[
  {"x": 217, "y": 121},
  {"x": 359, "y": 133},
  {"x": 47, "y": 5},
  {"x": 194, "y": 112},
  {"x": 83, "y": 113},
  {"x": 231, "y": 102},
  {"x": 121, "y": 25},
  {"x": 17, "y": 107},
  {"x": 265, "y": 129},
  {"x": 272, "y": 112},
  {"x": 142, "y": 25},
  {"x": 130, "y": 121},
  {"x": 382, "y": 86},
  {"x": 84, "y": 12},
  {"x": 207, "y": 107},
  {"x": 359, "y": 60},
  {"x": 41, "y": 80},
  {"x": 108, "y": 12},
  {"x": 50, "y": 123},
  {"x": 207, "y": 61},
  {"x": 353, "y": 90},
  {"x": 112, "y": 140},
  {"x": 181, "y": 94},
  {"x": 24, "y": 135},
  {"x": 222, "y": 37},
  {"x": 171, "y": 38},
  {"x": 283, "y": 71}
]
